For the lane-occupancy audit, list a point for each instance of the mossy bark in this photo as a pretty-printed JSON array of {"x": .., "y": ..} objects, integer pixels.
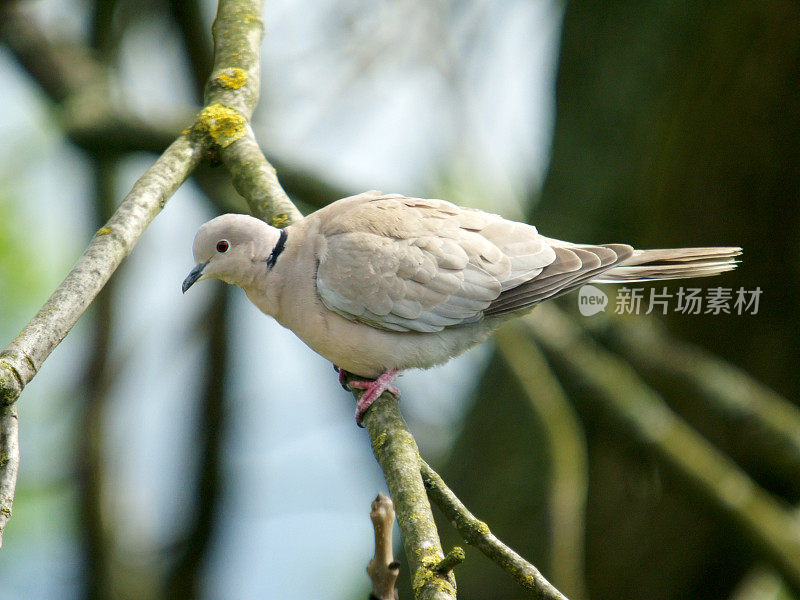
[{"x": 398, "y": 455}]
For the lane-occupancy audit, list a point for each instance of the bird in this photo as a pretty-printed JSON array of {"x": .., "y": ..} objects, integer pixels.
[{"x": 381, "y": 283}]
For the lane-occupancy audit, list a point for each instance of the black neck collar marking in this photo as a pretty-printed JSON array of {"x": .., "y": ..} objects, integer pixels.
[{"x": 276, "y": 251}]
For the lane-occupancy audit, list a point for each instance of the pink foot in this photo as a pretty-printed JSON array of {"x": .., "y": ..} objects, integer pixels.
[{"x": 373, "y": 389}]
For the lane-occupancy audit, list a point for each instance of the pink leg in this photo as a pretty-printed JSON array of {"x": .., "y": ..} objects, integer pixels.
[{"x": 373, "y": 389}]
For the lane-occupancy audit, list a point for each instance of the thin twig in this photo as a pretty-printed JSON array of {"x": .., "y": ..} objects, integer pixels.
[
  {"x": 383, "y": 569},
  {"x": 451, "y": 560},
  {"x": 478, "y": 534}
]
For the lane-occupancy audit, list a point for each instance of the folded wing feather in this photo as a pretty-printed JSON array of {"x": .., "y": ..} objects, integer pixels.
[{"x": 407, "y": 264}]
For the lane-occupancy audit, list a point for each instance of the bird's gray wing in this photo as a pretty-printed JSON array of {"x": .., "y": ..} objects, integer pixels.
[{"x": 406, "y": 264}]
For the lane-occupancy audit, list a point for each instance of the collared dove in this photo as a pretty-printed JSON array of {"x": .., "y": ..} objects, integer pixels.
[{"x": 378, "y": 283}]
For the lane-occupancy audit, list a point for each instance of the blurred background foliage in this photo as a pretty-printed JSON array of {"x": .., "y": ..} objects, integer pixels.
[{"x": 159, "y": 462}]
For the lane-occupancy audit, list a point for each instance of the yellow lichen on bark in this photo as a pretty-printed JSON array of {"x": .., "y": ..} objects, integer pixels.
[
  {"x": 232, "y": 78},
  {"x": 221, "y": 123}
]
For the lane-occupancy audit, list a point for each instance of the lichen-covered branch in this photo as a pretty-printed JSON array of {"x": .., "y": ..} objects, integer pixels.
[
  {"x": 454, "y": 557},
  {"x": 768, "y": 523},
  {"x": 383, "y": 569},
  {"x": 397, "y": 453},
  {"x": 237, "y": 35},
  {"x": 478, "y": 534},
  {"x": 235, "y": 78},
  {"x": 231, "y": 95},
  {"x": 222, "y": 125}
]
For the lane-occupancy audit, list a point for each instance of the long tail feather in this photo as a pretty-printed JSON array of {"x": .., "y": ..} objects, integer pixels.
[{"x": 672, "y": 263}]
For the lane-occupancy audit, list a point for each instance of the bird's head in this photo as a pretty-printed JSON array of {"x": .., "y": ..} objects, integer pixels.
[{"x": 230, "y": 247}]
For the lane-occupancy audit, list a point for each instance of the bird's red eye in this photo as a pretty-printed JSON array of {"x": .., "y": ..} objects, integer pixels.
[{"x": 222, "y": 246}]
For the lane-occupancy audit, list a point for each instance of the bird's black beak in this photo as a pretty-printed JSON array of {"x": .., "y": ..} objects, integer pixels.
[{"x": 193, "y": 276}]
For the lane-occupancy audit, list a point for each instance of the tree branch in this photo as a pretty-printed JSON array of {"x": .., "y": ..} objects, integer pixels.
[
  {"x": 478, "y": 534},
  {"x": 236, "y": 76},
  {"x": 398, "y": 455},
  {"x": 237, "y": 38},
  {"x": 451, "y": 560},
  {"x": 232, "y": 92},
  {"x": 21, "y": 359},
  {"x": 394, "y": 446},
  {"x": 231, "y": 96}
]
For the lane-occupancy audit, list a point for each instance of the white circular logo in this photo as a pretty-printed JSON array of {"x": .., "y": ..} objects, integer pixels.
[{"x": 591, "y": 300}]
